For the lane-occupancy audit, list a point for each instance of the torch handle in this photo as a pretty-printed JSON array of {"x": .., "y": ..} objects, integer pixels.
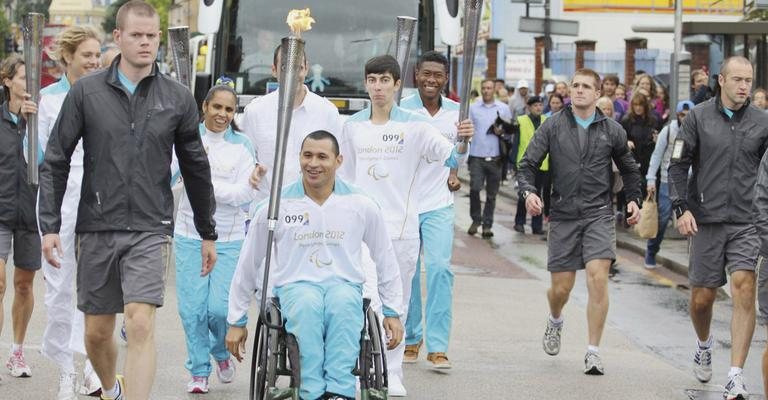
[{"x": 472, "y": 11}]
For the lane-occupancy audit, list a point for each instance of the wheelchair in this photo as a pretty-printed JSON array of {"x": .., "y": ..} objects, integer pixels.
[{"x": 276, "y": 354}]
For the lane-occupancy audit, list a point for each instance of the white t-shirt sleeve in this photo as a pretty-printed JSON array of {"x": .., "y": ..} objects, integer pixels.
[
  {"x": 383, "y": 255},
  {"x": 249, "y": 272},
  {"x": 435, "y": 145}
]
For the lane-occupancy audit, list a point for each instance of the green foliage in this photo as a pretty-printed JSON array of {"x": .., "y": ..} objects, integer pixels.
[
  {"x": 25, "y": 7},
  {"x": 161, "y": 6},
  {"x": 756, "y": 15},
  {"x": 109, "y": 23},
  {"x": 5, "y": 31}
]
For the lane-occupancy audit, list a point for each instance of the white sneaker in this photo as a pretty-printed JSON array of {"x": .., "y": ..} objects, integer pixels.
[
  {"x": 17, "y": 366},
  {"x": 396, "y": 388},
  {"x": 225, "y": 370},
  {"x": 67, "y": 387},
  {"x": 198, "y": 384},
  {"x": 91, "y": 383},
  {"x": 702, "y": 364}
]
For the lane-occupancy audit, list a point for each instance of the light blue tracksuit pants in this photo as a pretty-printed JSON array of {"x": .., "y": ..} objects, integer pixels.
[
  {"x": 203, "y": 301},
  {"x": 436, "y": 230},
  {"x": 327, "y": 319}
]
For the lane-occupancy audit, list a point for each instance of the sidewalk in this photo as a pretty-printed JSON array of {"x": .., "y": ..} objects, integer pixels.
[{"x": 674, "y": 248}]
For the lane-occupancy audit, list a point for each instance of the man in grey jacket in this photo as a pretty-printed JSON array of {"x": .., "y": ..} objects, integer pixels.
[
  {"x": 761, "y": 221},
  {"x": 581, "y": 142},
  {"x": 130, "y": 118},
  {"x": 722, "y": 140}
]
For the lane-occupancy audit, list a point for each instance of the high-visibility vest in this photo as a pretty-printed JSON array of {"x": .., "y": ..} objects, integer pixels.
[{"x": 526, "y": 134}]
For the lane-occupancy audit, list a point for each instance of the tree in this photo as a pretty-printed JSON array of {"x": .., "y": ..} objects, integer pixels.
[
  {"x": 5, "y": 33},
  {"x": 161, "y": 6},
  {"x": 25, "y": 7}
]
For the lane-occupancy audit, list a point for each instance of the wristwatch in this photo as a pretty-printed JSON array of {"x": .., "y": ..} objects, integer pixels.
[
  {"x": 524, "y": 194},
  {"x": 679, "y": 211}
]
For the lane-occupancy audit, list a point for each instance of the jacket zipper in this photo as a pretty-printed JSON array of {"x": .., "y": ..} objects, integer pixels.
[{"x": 730, "y": 173}]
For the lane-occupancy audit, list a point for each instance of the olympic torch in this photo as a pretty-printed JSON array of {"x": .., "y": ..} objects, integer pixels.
[
  {"x": 291, "y": 62},
  {"x": 472, "y": 11},
  {"x": 178, "y": 39},
  {"x": 403, "y": 39},
  {"x": 32, "y": 30}
]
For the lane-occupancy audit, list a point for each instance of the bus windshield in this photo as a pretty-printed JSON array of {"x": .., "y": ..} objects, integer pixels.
[{"x": 346, "y": 34}]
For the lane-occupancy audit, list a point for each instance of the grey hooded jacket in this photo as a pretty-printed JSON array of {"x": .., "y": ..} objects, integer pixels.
[
  {"x": 128, "y": 142},
  {"x": 724, "y": 154},
  {"x": 581, "y": 181}
]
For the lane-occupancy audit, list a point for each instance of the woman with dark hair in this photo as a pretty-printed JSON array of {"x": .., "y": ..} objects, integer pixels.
[
  {"x": 18, "y": 223},
  {"x": 661, "y": 104},
  {"x": 641, "y": 127},
  {"x": 555, "y": 104},
  {"x": 203, "y": 300}
]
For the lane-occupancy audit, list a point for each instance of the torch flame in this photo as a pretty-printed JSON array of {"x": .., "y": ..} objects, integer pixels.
[{"x": 299, "y": 21}]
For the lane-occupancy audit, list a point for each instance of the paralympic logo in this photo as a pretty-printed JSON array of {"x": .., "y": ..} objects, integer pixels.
[
  {"x": 316, "y": 259},
  {"x": 377, "y": 173}
]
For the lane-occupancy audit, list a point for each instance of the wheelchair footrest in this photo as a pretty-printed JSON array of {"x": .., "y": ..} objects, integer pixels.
[
  {"x": 373, "y": 394},
  {"x": 283, "y": 394}
]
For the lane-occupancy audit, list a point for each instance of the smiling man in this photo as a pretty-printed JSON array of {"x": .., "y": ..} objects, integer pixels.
[
  {"x": 130, "y": 118},
  {"x": 722, "y": 140},
  {"x": 384, "y": 147},
  {"x": 435, "y": 183}
]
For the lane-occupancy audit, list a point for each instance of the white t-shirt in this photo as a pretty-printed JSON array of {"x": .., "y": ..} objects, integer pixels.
[
  {"x": 231, "y": 157},
  {"x": 432, "y": 179},
  {"x": 383, "y": 160},
  {"x": 315, "y": 243},
  {"x": 259, "y": 123}
]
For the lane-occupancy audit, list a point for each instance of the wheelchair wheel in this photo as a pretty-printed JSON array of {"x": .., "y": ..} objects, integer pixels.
[
  {"x": 372, "y": 362},
  {"x": 275, "y": 353}
]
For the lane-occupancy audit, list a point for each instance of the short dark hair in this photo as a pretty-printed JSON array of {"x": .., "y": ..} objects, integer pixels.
[
  {"x": 499, "y": 81},
  {"x": 222, "y": 88},
  {"x": 434, "y": 56},
  {"x": 135, "y": 7},
  {"x": 382, "y": 65},
  {"x": 590, "y": 73},
  {"x": 487, "y": 80},
  {"x": 323, "y": 135},
  {"x": 611, "y": 78},
  {"x": 277, "y": 52}
]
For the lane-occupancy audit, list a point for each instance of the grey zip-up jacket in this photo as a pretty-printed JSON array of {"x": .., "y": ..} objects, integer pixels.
[
  {"x": 760, "y": 205},
  {"x": 128, "y": 142},
  {"x": 17, "y": 198},
  {"x": 725, "y": 154},
  {"x": 580, "y": 180}
]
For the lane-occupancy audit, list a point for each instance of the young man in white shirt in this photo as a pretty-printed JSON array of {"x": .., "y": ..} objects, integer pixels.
[
  {"x": 310, "y": 113},
  {"x": 317, "y": 274},
  {"x": 385, "y": 146},
  {"x": 435, "y": 184}
]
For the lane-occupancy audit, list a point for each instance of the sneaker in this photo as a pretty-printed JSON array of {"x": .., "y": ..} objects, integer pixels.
[
  {"x": 519, "y": 228},
  {"x": 473, "y": 228},
  {"x": 592, "y": 364},
  {"x": 198, "y": 384},
  {"x": 411, "y": 353},
  {"x": 225, "y": 370},
  {"x": 67, "y": 387},
  {"x": 650, "y": 260},
  {"x": 551, "y": 341},
  {"x": 120, "y": 382},
  {"x": 487, "y": 233},
  {"x": 91, "y": 384},
  {"x": 439, "y": 361},
  {"x": 735, "y": 389},
  {"x": 334, "y": 396},
  {"x": 396, "y": 388},
  {"x": 17, "y": 366},
  {"x": 702, "y": 364}
]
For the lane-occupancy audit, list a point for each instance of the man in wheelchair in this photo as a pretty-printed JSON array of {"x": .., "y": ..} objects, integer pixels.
[{"x": 316, "y": 271}]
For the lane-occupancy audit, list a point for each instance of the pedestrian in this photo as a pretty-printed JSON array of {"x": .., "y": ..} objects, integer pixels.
[
  {"x": 485, "y": 158},
  {"x": 555, "y": 104},
  {"x": 561, "y": 88},
  {"x": 641, "y": 126},
  {"x": 659, "y": 164},
  {"x": 610, "y": 85},
  {"x": 383, "y": 147},
  {"x": 760, "y": 205},
  {"x": 527, "y": 126},
  {"x": 77, "y": 50},
  {"x": 203, "y": 299},
  {"x": 581, "y": 142},
  {"x": 519, "y": 100},
  {"x": 700, "y": 90},
  {"x": 500, "y": 91},
  {"x": 436, "y": 184},
  {"x": 18, "y": 225},
  {"x": 621, "y": 92},
  {"x": 319, "y": 283},
  {"x": 310, "y": 112},
  {"x": 722, "y": 141},
  {"x": 661, "y": 104},
  {"x": 759, "y": 99},
  {"x": 125, "y": 217}
]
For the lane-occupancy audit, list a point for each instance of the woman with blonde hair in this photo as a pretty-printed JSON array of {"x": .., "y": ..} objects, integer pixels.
[{"x": 78, "y": 50}]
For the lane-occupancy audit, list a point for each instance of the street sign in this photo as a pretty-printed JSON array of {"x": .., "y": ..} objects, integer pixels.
[{"x": 556, "y": 26}]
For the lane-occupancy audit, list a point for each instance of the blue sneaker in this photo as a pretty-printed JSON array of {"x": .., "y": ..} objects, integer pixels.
[{"x": 650, "y": 260}]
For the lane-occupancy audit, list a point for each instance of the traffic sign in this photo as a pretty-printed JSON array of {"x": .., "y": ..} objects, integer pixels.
[{"x": 556, "y": 26}]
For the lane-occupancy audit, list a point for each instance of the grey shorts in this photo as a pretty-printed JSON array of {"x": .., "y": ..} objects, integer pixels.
[
  {"x": 27, "y": 254},
  {"x": 116, "y": 268},
  {"x": 719, "y": 249},
  {"x": 573, "y": 243},
  {"x": 762, "y": 290}
]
